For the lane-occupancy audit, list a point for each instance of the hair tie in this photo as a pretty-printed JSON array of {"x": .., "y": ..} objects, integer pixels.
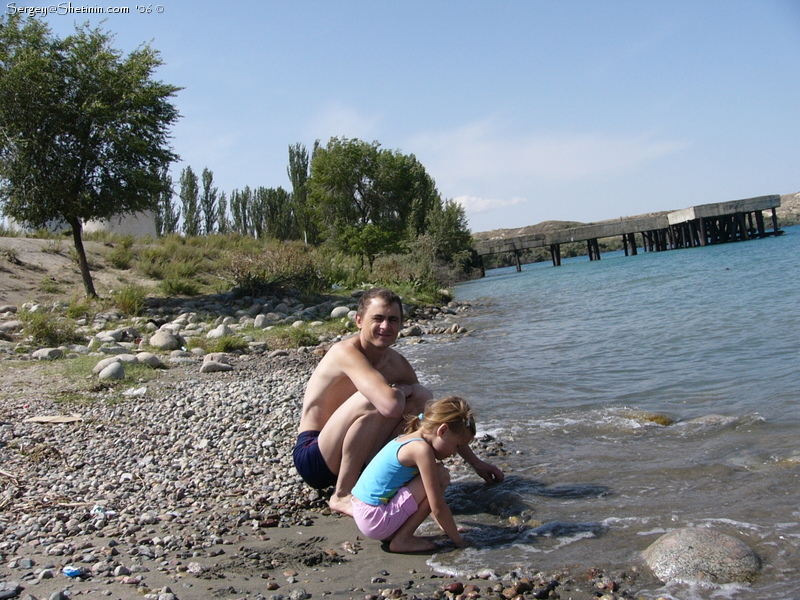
[{"x": 421, "y": 416}]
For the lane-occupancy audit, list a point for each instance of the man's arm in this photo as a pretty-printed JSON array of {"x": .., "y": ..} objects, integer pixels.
[{"x": 389, "y": 401}]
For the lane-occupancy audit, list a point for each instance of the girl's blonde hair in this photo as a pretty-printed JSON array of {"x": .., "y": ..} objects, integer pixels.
[{"x": 452, "y": 410}]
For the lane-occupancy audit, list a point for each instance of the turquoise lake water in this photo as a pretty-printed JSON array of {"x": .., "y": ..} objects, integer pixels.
[{"x": 567, "y": 364}]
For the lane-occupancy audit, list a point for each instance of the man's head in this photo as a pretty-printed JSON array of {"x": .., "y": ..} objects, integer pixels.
[
  {"x": 379, "y": 318},
  {"x": 383, "y": 294}
]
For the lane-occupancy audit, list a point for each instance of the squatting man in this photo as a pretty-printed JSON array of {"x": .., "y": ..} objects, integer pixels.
[{"x": 356, "y": 401}]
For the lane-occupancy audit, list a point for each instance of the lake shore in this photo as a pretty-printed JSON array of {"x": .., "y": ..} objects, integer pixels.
[{"x": 184, "y": 489}]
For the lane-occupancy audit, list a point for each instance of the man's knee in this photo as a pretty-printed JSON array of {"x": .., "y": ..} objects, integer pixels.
[
  {"x": 416, "y": 402},
  {"x": 421, "y": 392}
]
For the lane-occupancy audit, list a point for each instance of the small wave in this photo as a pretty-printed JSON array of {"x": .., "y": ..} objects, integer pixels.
[{"x": 697, "y": 590}]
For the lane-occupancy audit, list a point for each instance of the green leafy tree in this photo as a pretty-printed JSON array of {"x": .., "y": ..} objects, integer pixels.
[
  {"x": 208, "y": 202},
  {"x": 167, "y": 214},
  {"x": 370, "y": 241},
  {"x": 302, "y": 211},
  {"x": 84, "y": 130},
  {"x": 190, "y": 201},
  {"x": 280, "y": 218},
  {"x": 240, "y": 210},
  {"x": 257, "y": 212},
  {"x": 447, "y": 226},
  {"x": 223, "y": 223},
  {"x": 355, "y": 184}
]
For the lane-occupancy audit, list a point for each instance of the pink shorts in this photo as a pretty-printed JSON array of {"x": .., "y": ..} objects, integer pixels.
[{"x": 381, "y": 522}]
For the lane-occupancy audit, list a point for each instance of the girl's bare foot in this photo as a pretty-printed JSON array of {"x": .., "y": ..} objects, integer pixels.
[
  {"x": 412, "y": 545},
  {"x": 341, "y": 504}
]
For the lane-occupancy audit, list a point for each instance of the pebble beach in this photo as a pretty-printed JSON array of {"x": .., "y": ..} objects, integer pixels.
[{"x": 183, "y": 488}]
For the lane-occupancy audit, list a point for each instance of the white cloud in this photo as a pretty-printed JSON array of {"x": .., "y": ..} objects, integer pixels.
[
  {"x": 484, "y": 159},
  {"x": 473, "y": 204}
]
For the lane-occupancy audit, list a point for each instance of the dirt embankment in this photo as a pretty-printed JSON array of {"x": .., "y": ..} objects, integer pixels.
[{"x": 44, "y": 270}]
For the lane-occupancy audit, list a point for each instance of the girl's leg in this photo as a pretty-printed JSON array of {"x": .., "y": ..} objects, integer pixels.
[{"x": 404, "y": 539}]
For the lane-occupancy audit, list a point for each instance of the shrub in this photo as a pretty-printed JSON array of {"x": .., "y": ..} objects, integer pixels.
[
  {"x": 130, "y": 299},
  {"x": 10, "y": 255},
  {"x": 121, "y": 257},
  {"x": 79, "y": 307},
  {"x": 277, "y": 268},
  {"x": 226, "y": 343},
  {"x": 176, "y": 286},
  {"x": 47, "y": 328},
  {"x": 49, "y": 285},
  {"x": 303, "y": 336},
  {"x": 52, "y": 247},
  {"x": 151, "y": 264}
]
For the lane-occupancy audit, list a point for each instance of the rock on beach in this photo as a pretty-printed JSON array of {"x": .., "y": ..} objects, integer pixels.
[
  {"x": 138, "y": 488},
  {"x": 691, "y": 554}
]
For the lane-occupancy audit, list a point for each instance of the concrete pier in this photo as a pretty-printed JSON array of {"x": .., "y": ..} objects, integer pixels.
[{"x": 702, "y": 225}]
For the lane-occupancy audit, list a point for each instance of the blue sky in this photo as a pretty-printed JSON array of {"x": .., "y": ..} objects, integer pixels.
[{"x": 522, "y": 110}]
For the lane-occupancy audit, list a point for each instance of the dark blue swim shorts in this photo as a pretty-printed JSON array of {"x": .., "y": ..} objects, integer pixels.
[{"x": 309, "y": 462}]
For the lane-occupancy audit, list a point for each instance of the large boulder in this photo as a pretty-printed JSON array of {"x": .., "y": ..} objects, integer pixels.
[
  {"x": 220, "y": 331},
  {"x": 164, "y": 340},
  {"x": 48, "y": 353},
  {"x": 113, "y": 371},
  {"x": 692, "y": 554}
]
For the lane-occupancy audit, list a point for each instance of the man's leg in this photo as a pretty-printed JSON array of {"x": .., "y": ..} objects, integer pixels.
[{"x": 353, "y": 435}]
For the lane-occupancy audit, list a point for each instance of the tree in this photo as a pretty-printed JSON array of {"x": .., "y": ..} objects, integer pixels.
[
  {"x": 240, "y": 210},
  {"x": 190, "y": 197},
  {"x": 303, "y": 213},
  {"x": 370, "y": 241},
  {"x": 223, "y": 225},
  {"x": 83, "y": 130},
  {"x": 167, "y": 214},
  {"x": 447, "y": 226},
  {"x": 364, "y": 194},
  {"x": 208, "y": 202}
]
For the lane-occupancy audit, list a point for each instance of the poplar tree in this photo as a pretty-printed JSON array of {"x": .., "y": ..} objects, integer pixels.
[
  {"x": 167, "y": 214},
  {"x": 208, "y": 201},
  {"x": 189, "y": 195}
]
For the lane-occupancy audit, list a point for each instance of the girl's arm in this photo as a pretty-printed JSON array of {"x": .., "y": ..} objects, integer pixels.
[
  {"x": 488, "y": 472},
  {"x": 421, "y": 455}
]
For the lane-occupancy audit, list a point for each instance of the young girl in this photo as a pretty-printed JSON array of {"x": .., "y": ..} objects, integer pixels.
[{"x": 405, "y": 483}]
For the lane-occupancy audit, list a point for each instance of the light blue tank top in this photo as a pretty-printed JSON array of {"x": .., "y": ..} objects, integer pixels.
[{"x": 384, "y": 475}]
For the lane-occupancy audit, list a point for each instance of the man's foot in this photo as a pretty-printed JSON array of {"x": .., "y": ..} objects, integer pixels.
[
  {"x": 341, "y": 504},
  {"x": 412, "y": 545}
]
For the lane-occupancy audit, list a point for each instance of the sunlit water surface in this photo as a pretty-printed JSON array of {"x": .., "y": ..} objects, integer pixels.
[{"x": 567, "y": 365}]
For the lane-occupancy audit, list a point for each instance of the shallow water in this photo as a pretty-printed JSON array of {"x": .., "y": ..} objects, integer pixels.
[{"x": 567, "y": 365}]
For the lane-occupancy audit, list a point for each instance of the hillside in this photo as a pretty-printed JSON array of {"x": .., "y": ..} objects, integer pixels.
[
  {"x": 788, "y": 214},
  {"x": 42, "y": 270}
]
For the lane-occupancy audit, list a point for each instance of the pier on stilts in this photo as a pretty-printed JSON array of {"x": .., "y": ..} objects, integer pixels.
[{"x": 703, "y": 225}]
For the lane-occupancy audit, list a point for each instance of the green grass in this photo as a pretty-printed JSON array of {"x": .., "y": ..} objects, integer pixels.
[
  {"x": 48, "y": 328},
  {"x": 130, "y": 299},
  {"x": 288, "y": 336}
]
